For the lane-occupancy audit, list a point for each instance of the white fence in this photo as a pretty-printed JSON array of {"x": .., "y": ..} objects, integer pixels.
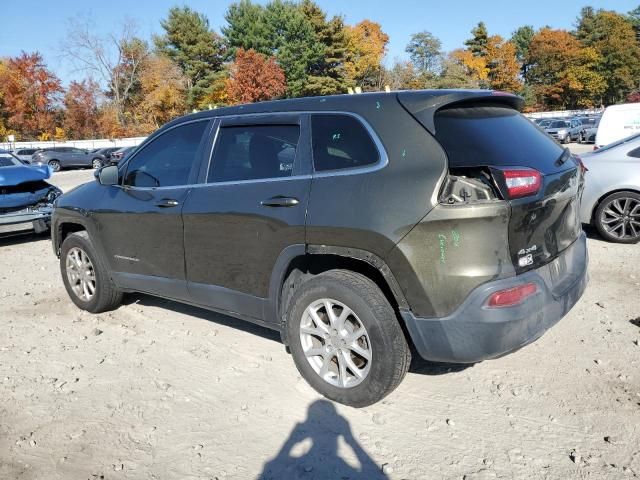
[
  {"x": 86, "y": 144},
  {"x": 566, "y": 113}
]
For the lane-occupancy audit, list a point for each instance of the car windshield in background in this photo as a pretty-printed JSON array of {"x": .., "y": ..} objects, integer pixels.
[
  {"x": 8, "y": 160},
  {"x": 617, "y": 144},
  {"x": 558, "y": 125}
]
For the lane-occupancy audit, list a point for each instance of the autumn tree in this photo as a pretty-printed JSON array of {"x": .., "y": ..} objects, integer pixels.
[
  {"x": 197, "y": 50},
  {"x": 366, "y": 47},
  {"x": 424, "y": 49},
  {"x": 254, "y": 78},
  {"x": 563, "y": 73},
  {"x": 81, "y": 109},
  {"x": 454, "y": 72},
  {"x": 163, "y": 87},
  {"x": 502, "y": 64},
  {"x": 613, "y": 37},
  {"x": 475, "y": 67},
  {"x": 30, "y": 92}
]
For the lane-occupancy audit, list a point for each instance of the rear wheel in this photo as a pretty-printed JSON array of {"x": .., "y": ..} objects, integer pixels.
[
  {"x": 55, "y": 165},
  {"x": 85, "y": 278},
  {"x": 617, "y": 218},
  {"x": 97, "y": 163},
  {"x": 345, "y": 338}
]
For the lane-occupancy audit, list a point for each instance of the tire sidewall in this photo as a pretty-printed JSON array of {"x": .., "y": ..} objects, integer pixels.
[
  {"x": 82, "y": 242},
  {"x": 601, "y": 229},
  {"x": 55, "y": 165},
  {"x": 374, "y": 386}
]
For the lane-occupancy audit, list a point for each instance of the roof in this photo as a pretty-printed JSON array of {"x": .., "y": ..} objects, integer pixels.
[{"x": 416, "y": 101}]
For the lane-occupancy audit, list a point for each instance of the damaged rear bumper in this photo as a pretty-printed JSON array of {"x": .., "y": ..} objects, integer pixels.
[{"x": 476, "y": 332}]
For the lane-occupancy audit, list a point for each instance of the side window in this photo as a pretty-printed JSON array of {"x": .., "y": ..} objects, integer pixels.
[
  {"x": 635, "y": 153},
  {"x": 341, "y": 141},
  {"x": 253, "y": 152},
  {"x": 167, "y": 160}
]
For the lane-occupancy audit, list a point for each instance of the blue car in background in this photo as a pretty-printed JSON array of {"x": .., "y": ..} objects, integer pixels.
[{"x": 26, "y": 198}]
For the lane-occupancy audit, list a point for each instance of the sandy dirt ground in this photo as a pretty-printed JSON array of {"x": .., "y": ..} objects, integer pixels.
[{"x": 158, "y": 390}]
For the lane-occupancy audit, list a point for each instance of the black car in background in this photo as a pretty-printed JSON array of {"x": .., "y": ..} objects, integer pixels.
[
  {"x": 102, "y": 156},
  {"x": 355, "y": 225}
]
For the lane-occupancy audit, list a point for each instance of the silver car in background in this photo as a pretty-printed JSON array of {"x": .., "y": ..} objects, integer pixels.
[{"x": 611, "y": 198}]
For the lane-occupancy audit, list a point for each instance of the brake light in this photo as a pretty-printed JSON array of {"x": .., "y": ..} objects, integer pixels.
[
  {"x": 512, "y": 296},
  {"x": 522, "y": 182}
]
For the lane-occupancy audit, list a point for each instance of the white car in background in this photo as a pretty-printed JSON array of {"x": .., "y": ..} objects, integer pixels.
[
  {"x": 611, "y": 197},
  {"x": 618, "y": 122}
]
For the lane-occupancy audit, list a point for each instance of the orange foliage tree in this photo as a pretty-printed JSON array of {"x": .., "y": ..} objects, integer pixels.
[
  {"x": 254, "y": 78},
  {"x": 29, "y": 94},
  {"x": 81, "y": 109}
]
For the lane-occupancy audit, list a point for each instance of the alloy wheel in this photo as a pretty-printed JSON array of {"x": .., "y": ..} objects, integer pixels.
[
  {"x": 81, "y": 274},
  {"x": 335, "y": 343},
  {"x": 621, "y": 218},
  {"x": 96, "y": 163}
]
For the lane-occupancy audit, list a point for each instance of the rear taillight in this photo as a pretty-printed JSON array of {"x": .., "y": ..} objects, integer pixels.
[
  {"x": 512, "y": 296},
  {"x": 522, "y": 182}
]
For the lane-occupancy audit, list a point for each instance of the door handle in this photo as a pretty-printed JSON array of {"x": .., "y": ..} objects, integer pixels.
[
  {"x": 167, "y": 203},
  {"x": 280, "y": 202}
]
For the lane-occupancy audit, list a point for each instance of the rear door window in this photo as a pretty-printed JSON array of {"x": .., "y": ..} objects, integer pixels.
[
  {"x": 341, "y": 142},
  {"x": 252, "y": 152},
  {"x": 495, "y": 136},
  {"x": 169, "y": 159}
]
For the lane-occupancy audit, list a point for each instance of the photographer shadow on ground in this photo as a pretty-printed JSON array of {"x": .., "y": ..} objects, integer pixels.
[{"x": 318, "y": 439}]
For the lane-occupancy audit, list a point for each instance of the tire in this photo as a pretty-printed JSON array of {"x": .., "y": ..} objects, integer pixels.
[
  {"x": 383, "y": 339},
  {"x": 55, "y": 165},
  {"x": 105, "y": 295},
  {"x": 96, "y": 163},
  {"x": 617, "y": 217}
]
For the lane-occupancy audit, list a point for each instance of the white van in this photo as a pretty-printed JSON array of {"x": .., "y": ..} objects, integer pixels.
[{"x": 618, "y": 122}]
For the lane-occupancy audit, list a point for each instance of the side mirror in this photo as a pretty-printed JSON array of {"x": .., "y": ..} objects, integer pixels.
[{"x": 108, "y": 175}]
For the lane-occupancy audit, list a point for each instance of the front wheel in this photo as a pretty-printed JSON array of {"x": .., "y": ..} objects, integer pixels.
[
  {"x": 617, "y": 218},
  {"x": 85, "y": 278},
  {"x": 345, "y": 338}
]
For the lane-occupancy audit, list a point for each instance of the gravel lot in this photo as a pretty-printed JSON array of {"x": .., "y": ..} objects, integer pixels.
[{"x": 157, "y": 390}]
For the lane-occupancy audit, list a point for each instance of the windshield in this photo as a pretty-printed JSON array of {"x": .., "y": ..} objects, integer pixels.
[
  {"x": 558, "y": 125},
  {"x": 617, "y": 144},
  {"x": 8, "y": 160}
]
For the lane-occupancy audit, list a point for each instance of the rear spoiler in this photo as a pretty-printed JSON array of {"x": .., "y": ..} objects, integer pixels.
[{"x": 423, "y": 105}]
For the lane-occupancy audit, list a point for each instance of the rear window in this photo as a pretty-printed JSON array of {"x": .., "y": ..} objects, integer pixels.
[
  {"x": 494, "y": 136},
  {"x": 341, "y": 142}
]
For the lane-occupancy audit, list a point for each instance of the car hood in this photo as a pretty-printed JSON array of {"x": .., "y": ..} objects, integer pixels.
[{"x": 11, "y": 176}]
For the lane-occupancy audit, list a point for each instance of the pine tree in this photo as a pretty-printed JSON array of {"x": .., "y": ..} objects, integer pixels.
[
  {"x": 479, "y": 41},
  {"x": 194, "y": 47}
]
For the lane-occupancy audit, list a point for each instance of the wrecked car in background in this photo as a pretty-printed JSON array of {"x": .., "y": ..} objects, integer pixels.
[{"x": 26, "y": 198}]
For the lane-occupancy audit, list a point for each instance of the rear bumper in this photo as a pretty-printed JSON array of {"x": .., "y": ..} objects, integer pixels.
[{"x": 475, "y": 332}]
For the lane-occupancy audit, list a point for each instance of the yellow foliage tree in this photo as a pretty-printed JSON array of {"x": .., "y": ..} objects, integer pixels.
[
  {"x": 366, "y": 45},
  {"x": 475, "y": 66},
  {"x": 163, "y": 88},
  {"x": 502, "y": 65}
]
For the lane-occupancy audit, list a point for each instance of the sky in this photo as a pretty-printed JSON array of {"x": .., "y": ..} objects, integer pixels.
[{"x": 34, "y": 25}]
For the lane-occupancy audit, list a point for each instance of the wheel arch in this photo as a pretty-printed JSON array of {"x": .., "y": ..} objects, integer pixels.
[
  {"x": 298, "y": 263},
  {"x": 605, "y": 195},
  {"x": 63, "y": 230}
]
